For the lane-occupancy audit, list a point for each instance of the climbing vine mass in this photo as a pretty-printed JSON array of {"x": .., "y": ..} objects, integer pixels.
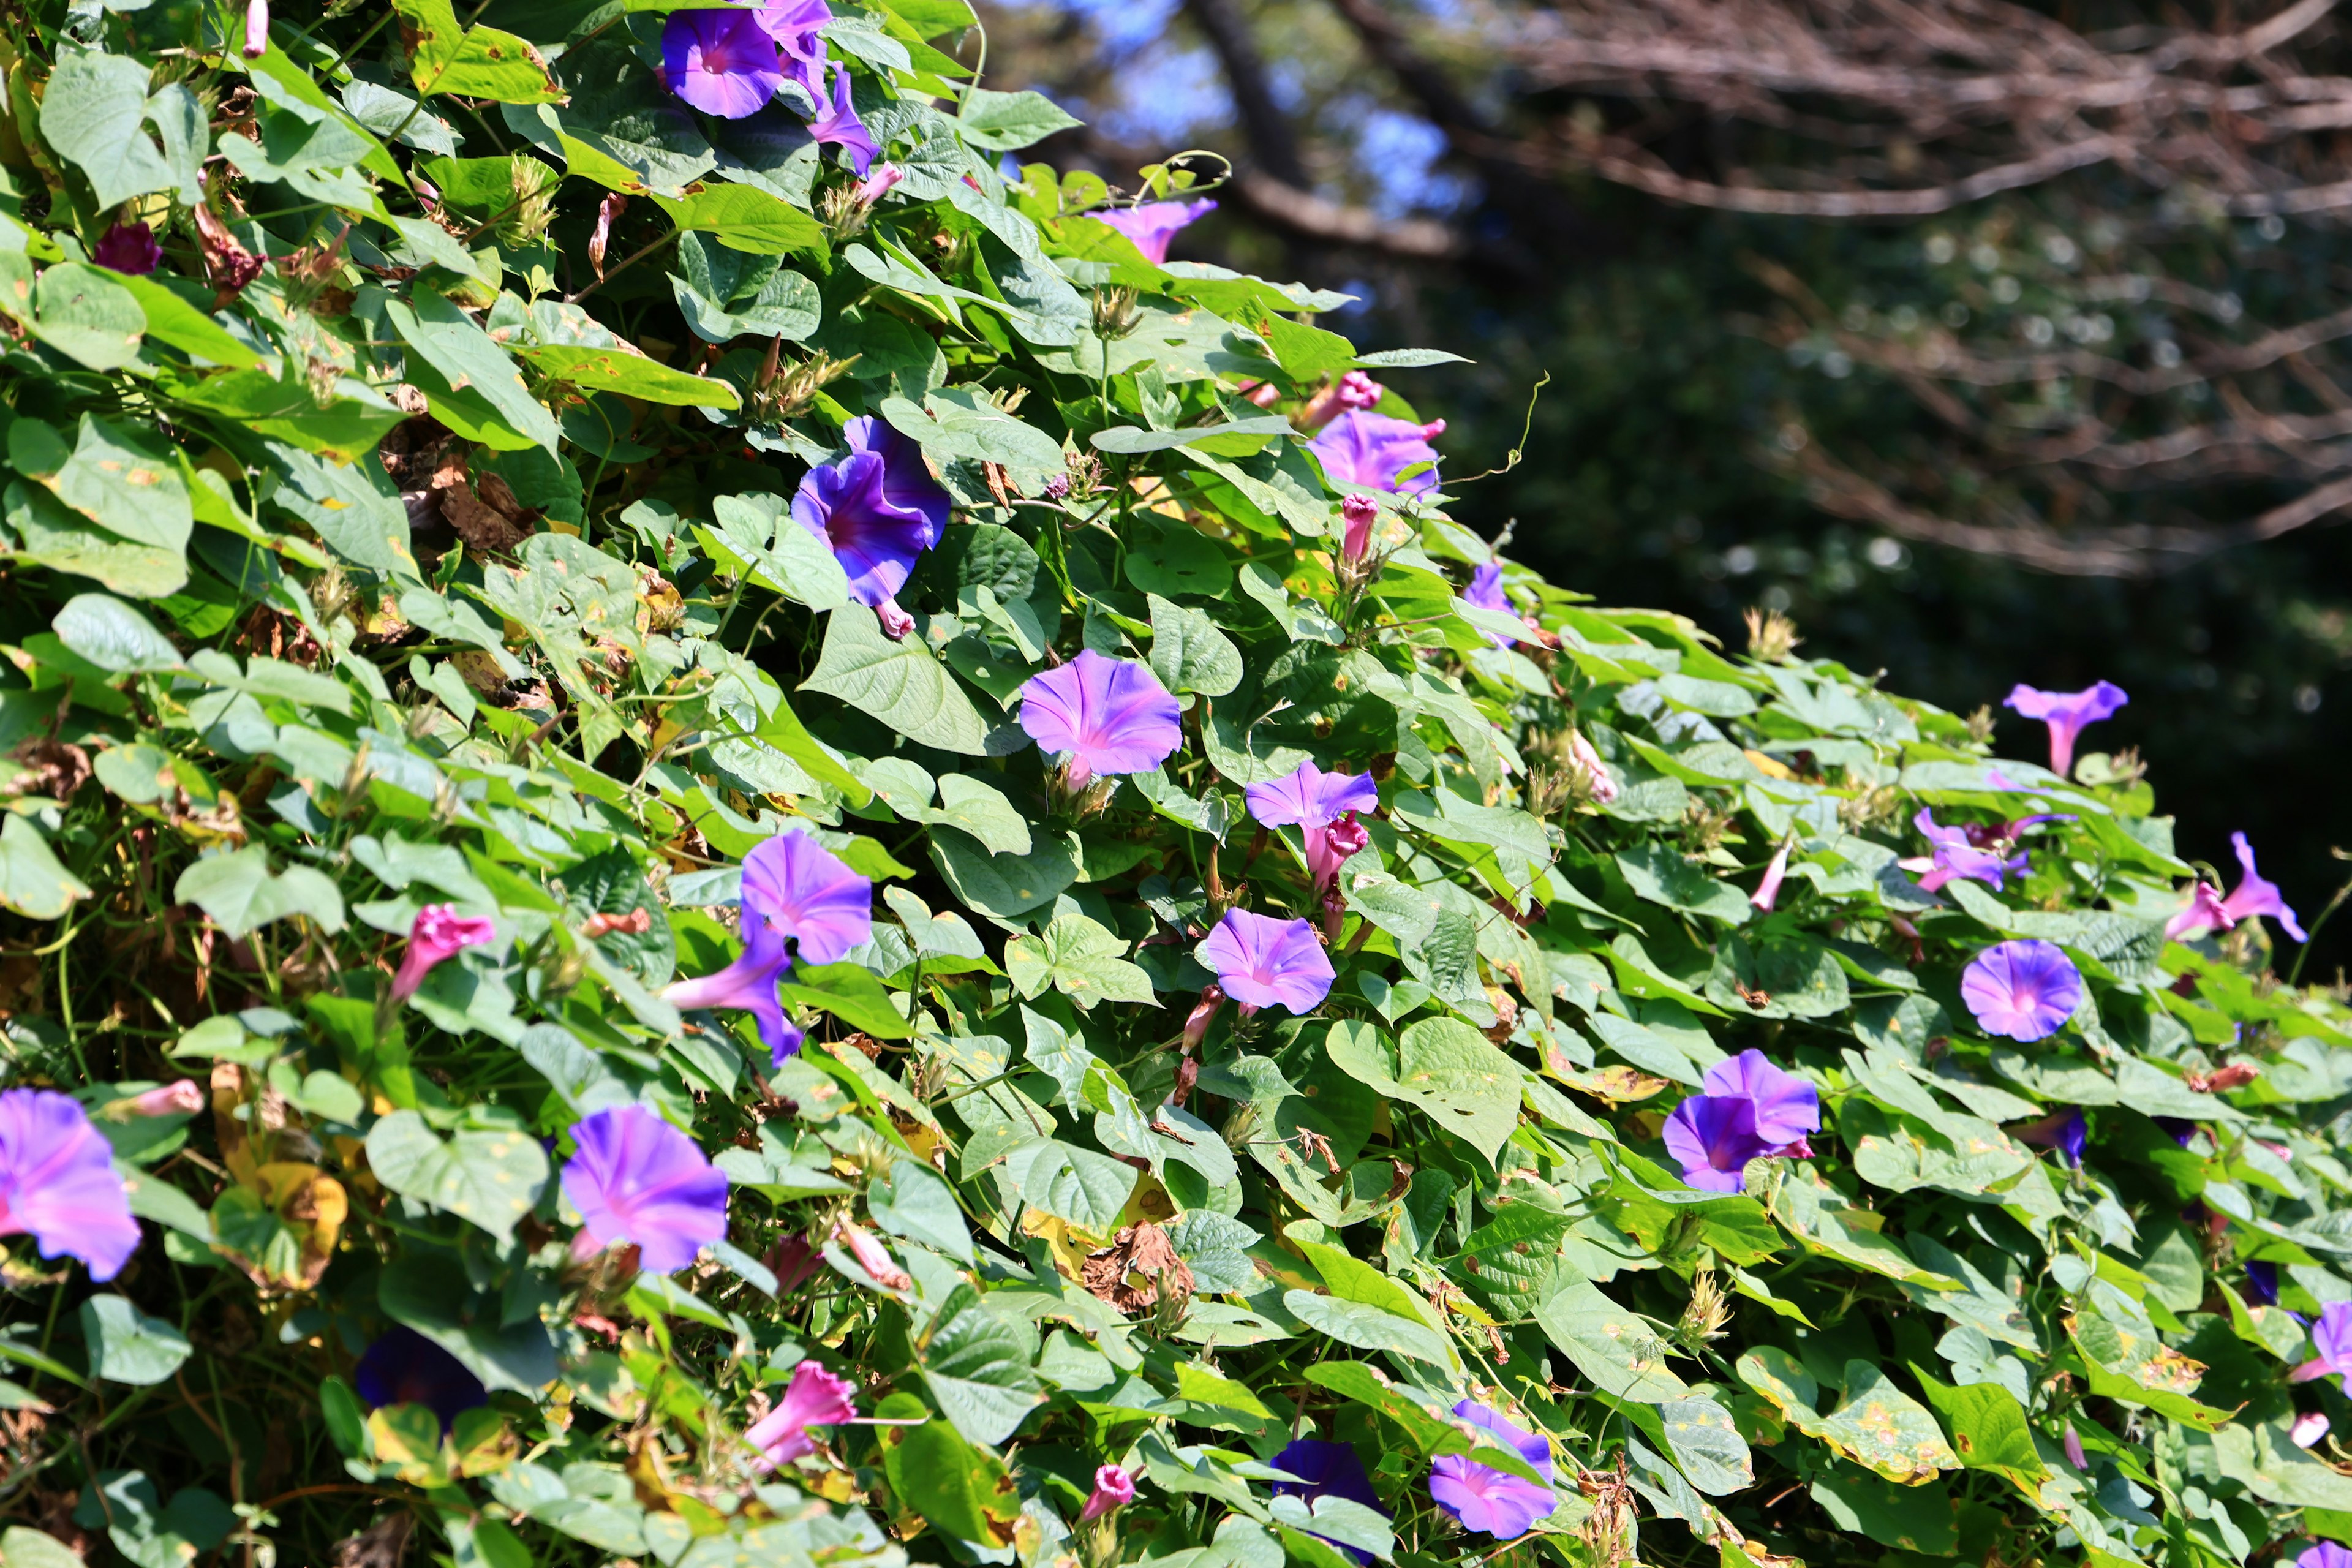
[{"x": 731, "y": 838}]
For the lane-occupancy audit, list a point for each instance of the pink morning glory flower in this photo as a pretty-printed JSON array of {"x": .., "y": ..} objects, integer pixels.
[
  {"x": 1114, "y": 1487},
  {"x": 128, "y": 247},
  {"x": 257, "y": 29},
  {"x": 1485, "y": 1500},
  {"x": 1323, "y": 806},
  {"x": 800, "y": 902},
  {"x": 57, "y": 1183},
  {"x": 1357, "y": 515},
  {"x": 2309, "y": 1429},
  {"x": 837, "y": 125},
  {"x": 1152, "y": 225},
  {"x": 1371, "y": 450},
  {"x": 877, "y": 510},
  {"x": 1261, "y": 961},
  {"x": 2253, "y": 896},
  {"x": 720, "y": 61},
  {"x": 814, "y": 1397},
  {"x": 1110, "y": 715},
  {"x": 638, "y": 1180},
  {"x": 1351, "y": 391},
  {"x": 1767, "y": 892},
  {"x": 438, "y": 932},
  {"x": 2206, "y": 911},
  {"x": 2331, "y": 1341},
  {"x": 2023, "y": 991},
  {"x": 2066, "y": 712}
]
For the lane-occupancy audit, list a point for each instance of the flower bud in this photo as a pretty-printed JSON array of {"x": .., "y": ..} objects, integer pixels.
[
  {"x": 257, "y": 29},
  {"x": 1359, "y": 513},
  {"x": 1196, "y": 1028},
  {"x": 184, "y": 1098}
]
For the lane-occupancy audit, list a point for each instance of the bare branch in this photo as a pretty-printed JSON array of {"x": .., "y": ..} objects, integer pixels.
[{"x": 1310, "y": 217}]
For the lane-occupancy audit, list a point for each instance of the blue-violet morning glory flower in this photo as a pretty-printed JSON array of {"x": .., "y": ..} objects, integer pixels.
[
  {"x": 2263, "y": 1283},
  {"x": 1109, "y": 715},
  {"x": 1327, "y": 1469},
  {"x": 877, "y": 510},
  {"x": 1487, "y": 1499},
  {"x": 2063, "y": 1131},
  {"x": 1324, "y": 805},
  {"x": 1152, "y": 225},
  {"x": 797, "y": 27},
  {"x": 800, "y": 901},
  {"x": 720, "y": 61},
  {"x": 2023, "y": 991},
  {"x": 837, "y": 125},
  {"x": 57, "y": 1183},
  {"x": 1371, "y": 450},
  {"x": 1749, "y": 1109},
  {"x": 403, "y": 1367},
  {"x": 1261, "y": 961},
  {"x": 2066, "y": 712},
  {"x": 638, "y": 1180}
]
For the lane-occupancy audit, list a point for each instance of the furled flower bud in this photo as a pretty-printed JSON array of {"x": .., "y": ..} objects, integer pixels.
[
  {"x": 1767, "y": 892},
  {"x": 257, "y": 28},
  {"x": 1196, "y": 1028},
  {"x": 878, "y": 183},
  {"x": 183, "y": 1098},
  {"x": 1359, "y": 513}
]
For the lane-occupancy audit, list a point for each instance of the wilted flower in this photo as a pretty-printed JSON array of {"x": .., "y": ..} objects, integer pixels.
[
  {"x": 1266, "y": 963},
  {"x": 183, "y": 1096},
  {"x": 1487, "y": 1499},
  {"x": 403, "y": 1367},
  {"x": 2252, "y": 897},
  {"x": 1110, "y": 715},
  {"x": 1203, "y": 1013},
  {"x": 1152, "y": 225},
  {"x": 1956, "y": 854},
  {"x": 1599, "y": 783},
  {"x": 879, "y": 184},
  {"x": 2024, "y": 991},
  {"x": 1750, "y": 1109},
  {"x": 1324, "y": 806},
  {"x": 638, "y": 1180},
  {"x": 2063, "y": 1131},
  {"x": 1114, "y": 1487},
  {"x": 799, "y": 902},
  {"x": 814, "y": 1397},
  {"x": 877, "y": 510},
  {"x": 129, "y": 248},
  {"x": 872, "y": 1256},
  {"x": 1327, "y": 1469},
  {"x": 2073, "y": 1443},
  {"x": 2331, "y": 1341},
  {"x": 1767, "y": 892},
  {"x": 2066, "y": 712},
  {"x": 1372, "y": 450},
  {"x": 837, "y": 125},
  {"x": 437, "y": 933},
  {"x": 57, "y": 1183},
  {"x": 720, "y": 61}
]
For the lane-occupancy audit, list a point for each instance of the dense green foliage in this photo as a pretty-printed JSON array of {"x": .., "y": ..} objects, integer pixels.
[{"x": 417, "y": 532}]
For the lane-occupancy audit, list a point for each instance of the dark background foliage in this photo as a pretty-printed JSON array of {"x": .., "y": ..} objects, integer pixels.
[{"x": 1699, "y": 357}]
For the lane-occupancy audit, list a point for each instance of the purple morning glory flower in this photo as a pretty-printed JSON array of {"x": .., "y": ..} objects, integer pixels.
[
  {"x": 1324, "y": 805},
  {"x": 2261, "y": 1283},
  {"x": 2024, "y": 991},
  {"x": 1327, "y": 1469},
  {"x": 2065, "y": 1131},
  {"x": 1111, "y": 715},
  {"x": 57, "y": 1183},
  {"x": 2331, "y": 1338},
  {"x": 1786, "y": 1107},
  {"x": 1266, "y": 963},
  {"x": 2205, "y": 911},
  {"x": 128, "y": 247},
  {"x": 1154, "y": 223},
  {"x": 877, "y": 510},
  {"x": 797, "y": 26},
  {"x": 1485, "y": 592},
  {"x": 637, "y": 1179},
  {"x": 2253, "y": 896},
  {"x": 720, "y": 61},
  {"x": 2178, "y": 1129},
  {"x": 1713, "y": 1137},
  {"x": 2324, "y": 1554},
  {"x": 1957, "y": 854},
  {"x": 403, "y": 1367},
  {"x": 2066, "y": 712},
  {"x": 837, "y": 125},
  {"x": 1372, "y": 449},
  {"x": 799, "y": 902},
  {"x": 1487, "y": 1499}
]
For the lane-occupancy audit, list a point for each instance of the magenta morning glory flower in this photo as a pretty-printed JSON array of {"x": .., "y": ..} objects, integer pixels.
[
  {"x": 57, "y": 1183},
  {"x": 1154, "y": 223},
  {"x": 1372, "y": 449},
  {"x": 2253, "y": 896},
  {"x": 2024, "y": 991},
  {"x": 1111, "y": 715},
  {"x": 128, "y": 247},
  {"x": 1327, "y": 1469},
  {"x": 814, "y": 1397},
  {"x": 2331, "y": 1341},
  {"x": 1114, "y": 1489},
  {"x": 403, "y": 1367},
  {"x": 837, "y": 125},
  {"x": 2065, "y": 1131},
  {"x": 437, "y": 933},
  {"x": 1487, "y": 1499},
  {"x": 799, "y": 902},
  {"x": 2066, "y": 712},
  {"x": 1357, "y": 515},
  {"x": 1957, "y": 854},
  {"x": 877, "y": 510},
  {"x": 2205, "y": 913},
  {"x": 720, "y": 61},
  {"x": 1325, "y": 806},
  {"x": 1261, "y": 961},
  {"x": 637, "y": 1179}
]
